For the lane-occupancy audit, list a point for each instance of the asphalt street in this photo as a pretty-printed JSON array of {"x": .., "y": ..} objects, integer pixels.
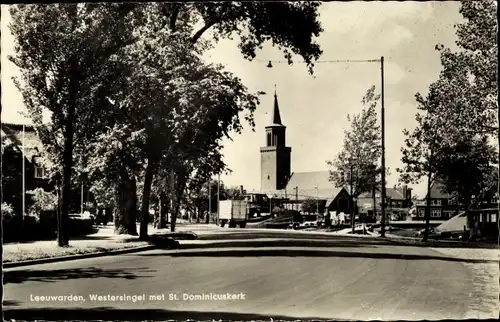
[{"x": 281, "y": 275}]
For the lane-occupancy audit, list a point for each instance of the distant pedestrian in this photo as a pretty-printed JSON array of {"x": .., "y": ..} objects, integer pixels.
[{"x": 341, "y": 219}]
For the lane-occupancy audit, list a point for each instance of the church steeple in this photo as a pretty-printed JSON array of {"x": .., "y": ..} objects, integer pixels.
[
  {"x": 275, "y": 156},
  {"x": 276, "y": 112}
]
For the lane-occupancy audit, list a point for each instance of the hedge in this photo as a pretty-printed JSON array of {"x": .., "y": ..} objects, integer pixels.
[{"x": 43, "y": 227}]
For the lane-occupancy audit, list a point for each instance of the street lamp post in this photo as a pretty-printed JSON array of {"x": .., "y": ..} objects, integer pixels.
[
  {"x": 382, "y": 127},
  {"x": 382, "y": 130},
  {"x": 317, "y": 199}
]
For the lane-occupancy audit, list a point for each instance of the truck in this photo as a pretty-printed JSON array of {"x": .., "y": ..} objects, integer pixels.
[{"x": 233, "y": 213}]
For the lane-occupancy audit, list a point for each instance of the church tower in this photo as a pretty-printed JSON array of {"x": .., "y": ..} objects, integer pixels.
[{"x": 275, "y": 156}]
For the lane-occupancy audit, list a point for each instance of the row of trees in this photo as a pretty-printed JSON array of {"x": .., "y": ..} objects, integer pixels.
[
  {"x": 133, "y": 106},
  {"x": 456, "y": 123}
]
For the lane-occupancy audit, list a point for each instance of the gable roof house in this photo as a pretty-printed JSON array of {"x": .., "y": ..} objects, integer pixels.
[
  {"x": 442, "y": 205},
  {"x": 303, "y": 186},
  {"x": 12, "y": 162}
]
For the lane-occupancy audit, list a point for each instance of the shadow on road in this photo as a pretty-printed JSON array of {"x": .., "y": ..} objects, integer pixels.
[
  {"x": 249, "y": 234},
  {"x": 274, "y": 243},
  {"x": 21, "y": 276},
  {"x": 309, "y": 253},
  {"x": 11, "y": 303},
  {"x": 108, "y": 314}
]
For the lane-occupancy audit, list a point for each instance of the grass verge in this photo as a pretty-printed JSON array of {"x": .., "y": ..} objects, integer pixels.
[{"x": 48, "y": 249}]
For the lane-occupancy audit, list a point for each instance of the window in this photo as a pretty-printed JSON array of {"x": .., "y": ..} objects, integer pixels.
[
  {"x": 40, "y": 173},
  {"x": 421, "y": 212},
  {"x": 435, "y": 212},
  {"x": 448, "y": 213},
  {"x": 436, "y": 202},
  {"x": 268, "y": 139}
]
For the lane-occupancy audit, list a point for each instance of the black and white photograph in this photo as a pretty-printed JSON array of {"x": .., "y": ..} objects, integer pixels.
[{"x": 250, "y": 161}]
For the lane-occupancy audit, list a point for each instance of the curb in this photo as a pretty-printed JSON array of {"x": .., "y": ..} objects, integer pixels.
[
  {"x": 79, "y": 256},
  {"x": 436, "y": 243}
]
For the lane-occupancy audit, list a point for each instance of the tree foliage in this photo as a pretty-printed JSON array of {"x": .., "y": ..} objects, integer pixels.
[
  {"x": 42, "y": 201},
  {"x": 102, "y": 68},
  {"x": 309, "y": 205},
  {"x": 356, "y": 163},
  {"x": 450, "y": 143},
  {"x": 469, "y": 75},
  {"x": 466, "y": 170}
]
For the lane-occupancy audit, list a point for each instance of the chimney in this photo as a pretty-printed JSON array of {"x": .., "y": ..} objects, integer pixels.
[
  {"x": 406, "y": 192},
  {"x": 241, "y": 190}
]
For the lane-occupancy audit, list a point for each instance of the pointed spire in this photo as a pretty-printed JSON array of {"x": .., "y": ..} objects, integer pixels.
[{"x": 276, "y": 113}]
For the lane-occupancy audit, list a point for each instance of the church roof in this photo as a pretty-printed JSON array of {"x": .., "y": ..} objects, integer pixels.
[
  {"x": 276, "y": 121},
  {"x": 391, "y": 193},
  {"x": 310, "y": 180},
  {"x": 314, "y": 184}
]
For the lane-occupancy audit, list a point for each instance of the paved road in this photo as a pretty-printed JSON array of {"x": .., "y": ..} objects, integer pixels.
[{"x": 326, "y": 278}]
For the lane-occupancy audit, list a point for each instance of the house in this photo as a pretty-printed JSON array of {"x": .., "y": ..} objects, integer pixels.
[
  {"x": 398, "y": 201},
  {"x": 442, "y": 205},
  {"x": 12, "y": 162},
  {"x": 35, "y": 175}
]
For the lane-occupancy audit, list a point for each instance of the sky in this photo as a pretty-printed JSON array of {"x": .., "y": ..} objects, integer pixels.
[{"x": 315, "y": 109}]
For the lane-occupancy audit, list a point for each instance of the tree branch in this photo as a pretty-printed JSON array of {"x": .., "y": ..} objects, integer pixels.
[
  {"x": 200, "y": 32},
  {"x": 173, "y": 17}
]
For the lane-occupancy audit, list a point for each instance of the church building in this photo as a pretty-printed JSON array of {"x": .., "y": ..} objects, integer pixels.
[{"x": 278, "y": 182}]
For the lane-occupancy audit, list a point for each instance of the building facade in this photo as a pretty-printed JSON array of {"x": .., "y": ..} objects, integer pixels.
[
  {"x": 275, "y": 156},
  {"x": 13, "y": 153},
  {"x": 398, "y": 201},
  {"x": 442, "y": 205}
]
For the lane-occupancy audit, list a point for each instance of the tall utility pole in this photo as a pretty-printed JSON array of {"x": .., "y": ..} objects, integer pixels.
[
  {"x": 81, "y": 199},
  {"x": 297, "y": 197},
  {"x": 382, "y": 128},
  {"x": 317, "y": 199},
  {"x": 352, "y": 198},
  {"x": 218, "y": 197},
  {"x": 24, "y": 173},
  {"x": 210, "y": 197}
]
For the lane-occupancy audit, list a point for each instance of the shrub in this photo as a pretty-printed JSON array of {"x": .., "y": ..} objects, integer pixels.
[
  {"x": 43, "y": 202},
  {"x": 79, "y": 226},
  {"x": 7, "y": 211}
]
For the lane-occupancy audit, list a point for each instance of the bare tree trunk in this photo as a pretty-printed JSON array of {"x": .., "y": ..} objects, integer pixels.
[
  {"x": 498, "y": 184},
  {"x": 62, "y": 235},
  {"x": 1, "y": 199},
  {"x": 178, "y": 193},
  {"x": 374, "y": 197},
  {"x": 126, "y": 202},
  {"x": 173, "y": 213},
  {"x": 148, "y": 180},
  {"x": 163, "y": 211},
  {"x": 428, "y": 207}
]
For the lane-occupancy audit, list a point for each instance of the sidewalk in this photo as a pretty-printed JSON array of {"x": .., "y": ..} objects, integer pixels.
[{"x": 103, "y": 241}]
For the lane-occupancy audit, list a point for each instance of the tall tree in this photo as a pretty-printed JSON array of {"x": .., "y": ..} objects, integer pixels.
[
  {"x": 470, "y": 75},
  {"x": 466, "y": 170},
  {"x": 422, "y": 151},
  {"x": 115, "y": 162},
  {"x": 65, "y": 56},
  {"x": 356, "y": 164}
]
